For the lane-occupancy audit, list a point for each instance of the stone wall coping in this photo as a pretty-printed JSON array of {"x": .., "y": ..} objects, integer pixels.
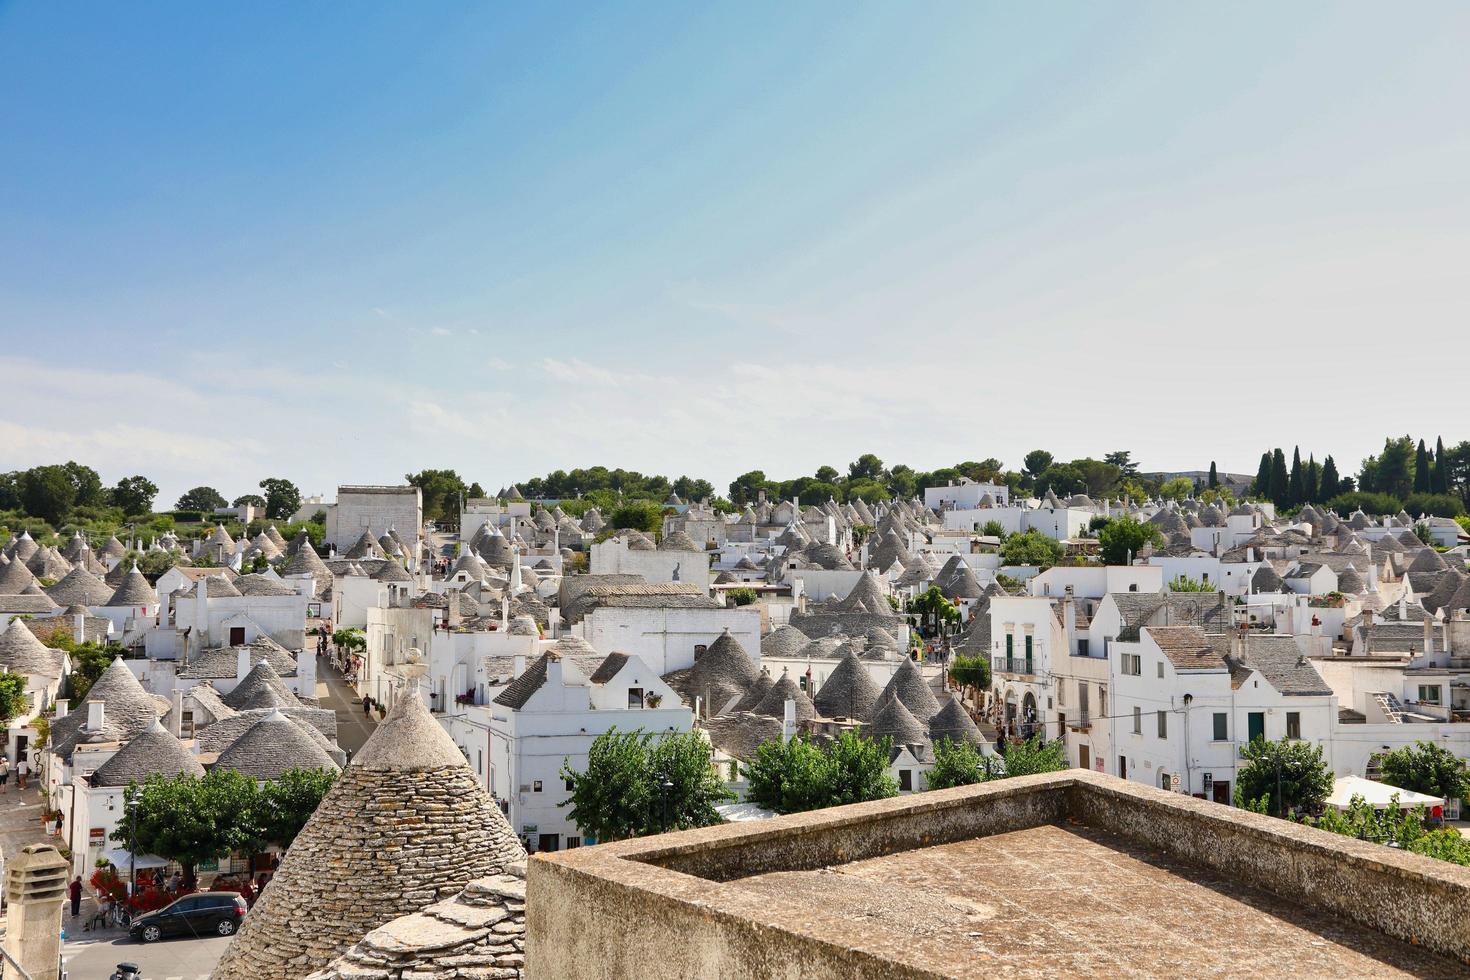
[{"x": 640, "y": 874}]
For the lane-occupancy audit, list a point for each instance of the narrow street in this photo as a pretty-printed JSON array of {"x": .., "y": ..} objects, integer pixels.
[{"x": 353, "y": 729}]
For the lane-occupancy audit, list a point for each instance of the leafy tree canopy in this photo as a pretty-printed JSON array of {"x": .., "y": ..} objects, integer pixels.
[
  {"x": 1425, "y": 767},
  {"x": 1031, "y": 548},
  {"x": 800, "y": 775},
  {"x": 202, "y": 499},
  {"x": 134, "y": 495},
  {"x": 621, "y": 792},
  {"x": 1122, "y": 538},
  {"x": 1287, "y": 775}
]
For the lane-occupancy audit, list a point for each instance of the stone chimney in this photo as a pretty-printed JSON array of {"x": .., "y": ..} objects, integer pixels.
[
  {"x": 63, "y": 706},
  {"x": 553, "y": 671},
  {"x": 242, "y": 663},
  {"x": 1069, "y": 619},
  {"x": 176, "y": 712},
  {"x": 35, "y": 888},
  {"x": 788, "y": 720},
  {"x": 96, "y": 715},
  {"x": 1428, "y": 636},
  {"x": 79, "y": 628}
]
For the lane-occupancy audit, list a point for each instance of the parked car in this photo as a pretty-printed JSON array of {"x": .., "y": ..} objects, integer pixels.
[{"x": 200, "y": 914}]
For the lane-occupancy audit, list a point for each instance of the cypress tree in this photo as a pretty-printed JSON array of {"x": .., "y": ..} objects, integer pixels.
[
  {"x": 1327, "y": 487},
  {"x": 1439, "y": 481},
  {"x": 1280, "y": 482},
  {"x": 1421, "y": 469},
  {"x": 1296, "y": 487},
  {"x": 1314, "y": 481},
  {"x": 1214, "y": 476},
  {"x": 1261, "y": 487}
]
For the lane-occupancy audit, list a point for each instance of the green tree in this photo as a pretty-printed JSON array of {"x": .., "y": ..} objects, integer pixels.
[
  {"x": 1289, "y": 774},
  {"x": 955, "y": 764},
  {"x": 1424, "y": 767},
  {"x": 1434, "y": 505},
  {"x": 744, "y": 489},
  {"x": 1313, "y": 481},
  {"x": 1261, "y": 485},
  {"x": 970, "y": 673},
  {"x": 1036, "y": 462},
  {"x": 1421, "y": 468},
  {"x": 620, "y": 793},
  {"x": 249, "y": 500},
  {"x": 865, "y": 467},
  {"x": 741, "y": 597},
  {"x": 827, "y": 474},
  {"x": 1031, "y": 548},
  {"x": 13, "y": 700},
  {"x": 1123, "y": 537},
  {"x": 1296, "y": 483},
  {"x": 1280, "y": 481},
  {"x": 1034, "y": 756},
  {"x": 190, "y": 819},
  {"x": 202, "y": 499},
  {"x": 86, "y": 482},
  {"x": 1123, "y": 460},
  {"x": 134, "y": 495},
  {"x": 285, "y": 804},
  {"x": 799, "y": 775},
  {"x": 1178, "y": 488},
  {"x": 934, "y": 609},
  {"x": 815, "y": 493},
  {"x": 1392, "y": 471},
  {"x": 350, "y": 638},
  {"x": 1214, "y": 480},
  {"x": 1439, "y": 482},
  {"x": 282, "y": 498},
  {"x": 641, "y": 515},
  {"x": 1327, "y": 486},
  {"x": 993, "y": 529},
  {"x": 442, "y": 490},
  {"x": 1183, "y": 583},
  {"x": 47, "y": 492}
]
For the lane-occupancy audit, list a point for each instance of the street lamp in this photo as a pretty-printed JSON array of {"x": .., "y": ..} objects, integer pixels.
[
  {"x": 131, "y": 805},
  {"x": 664, "y": 787}
]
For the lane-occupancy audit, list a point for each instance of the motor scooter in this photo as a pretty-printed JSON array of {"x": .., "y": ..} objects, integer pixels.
[{"x": 127, "y": 971}]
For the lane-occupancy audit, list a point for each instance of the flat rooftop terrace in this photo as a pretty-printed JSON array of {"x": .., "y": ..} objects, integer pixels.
[
  {"x": 1057, "y": 875},
  {"x": 1070, "y": 900}
]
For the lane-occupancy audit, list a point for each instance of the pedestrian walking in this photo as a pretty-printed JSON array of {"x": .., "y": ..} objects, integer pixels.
[
  {"x": 76, "y": 896},
  {"x": 367, "y": 706},
  {"x": 21, "y": 772},
  {"x": 4, "y": 773}
]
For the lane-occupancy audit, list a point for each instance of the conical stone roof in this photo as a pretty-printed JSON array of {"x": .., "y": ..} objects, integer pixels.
[
  {"x": 15, "y": 577},
  {"x": 895, "y": 721},
  {"x": 407, "y": 822},
  {"x": 773, "y": 705},
  {"x": 724, "y": 664},
  {"x": 261, "y": 688},
  {"x": 154, "y": 751},
  {"x": 82, "y": 587},
  {"x": 757, "y": 692},
  {"x": 849, "y": 691},
  {"x": 271, "y": 746},
  {"x": 911, "y": 688},
  {"x": 783, "y": 641},
  {"x": 868, "y": 596},
  {"x": 134, "y": 591},
  {"x": 22, "y": 653},
  {"x": 955, "y": 724}
]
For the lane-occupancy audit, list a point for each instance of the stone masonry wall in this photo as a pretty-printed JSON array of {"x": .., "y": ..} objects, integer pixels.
[
  {"x": 381, "y": 845},
  {"x": 477, "y": 935}
]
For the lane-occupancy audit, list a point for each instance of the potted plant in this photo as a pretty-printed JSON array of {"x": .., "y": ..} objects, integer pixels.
[{"x": 653, "y": 699}]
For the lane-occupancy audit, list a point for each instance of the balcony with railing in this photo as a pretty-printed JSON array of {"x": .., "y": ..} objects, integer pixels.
[{"x": 1020, "y": 666}]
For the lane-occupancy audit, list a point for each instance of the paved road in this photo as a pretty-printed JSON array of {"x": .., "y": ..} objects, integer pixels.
[
  {"x": 352, "y": 728},
  {"x": 168, "y": 959}
]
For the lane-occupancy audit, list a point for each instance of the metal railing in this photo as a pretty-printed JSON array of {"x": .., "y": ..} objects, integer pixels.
[{"x": 1014, "y": 665}]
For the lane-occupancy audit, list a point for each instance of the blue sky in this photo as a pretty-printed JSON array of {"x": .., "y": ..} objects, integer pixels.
[{"x": 338, "y": 242}]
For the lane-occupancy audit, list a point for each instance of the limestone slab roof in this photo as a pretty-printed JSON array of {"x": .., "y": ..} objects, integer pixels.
[
  {"x": 21, "y": 652},
  {"x": 272, "y": 745},
  {"x": 849, "y": 691},
  {"x": 261, "y": 688},
  {"x": 128, "y": 709},
  {"x": 1186, "y": 647},
  {"x": 154, "y": 751},
  {"x": 911, "y": 688},
  {"x": 221, "y": 663}
]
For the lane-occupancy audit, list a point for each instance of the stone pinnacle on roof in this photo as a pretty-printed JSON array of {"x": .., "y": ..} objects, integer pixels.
[{"x": 406, "y": 823}]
